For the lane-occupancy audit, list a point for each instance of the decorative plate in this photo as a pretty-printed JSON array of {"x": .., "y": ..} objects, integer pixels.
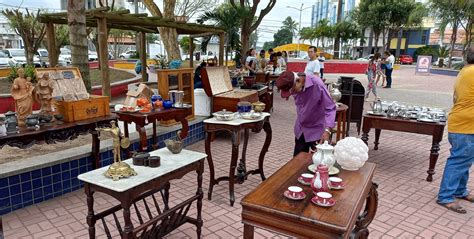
[
  {"x": 330, "y": 202},
  {"x": 332, "y": 170}
]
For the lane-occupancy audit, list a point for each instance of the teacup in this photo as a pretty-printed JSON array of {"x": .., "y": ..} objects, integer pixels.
[
  {"x": 335, "y": 182},
  {"x": 323, "y": 197},
  {"x": 295, "y": 191},
  {"x": 307, "y": 177}
]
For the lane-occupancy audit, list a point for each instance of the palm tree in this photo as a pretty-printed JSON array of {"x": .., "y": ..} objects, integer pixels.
[
  {"x": 291, "y": 25},
  {"x": 78, "y": 38}
]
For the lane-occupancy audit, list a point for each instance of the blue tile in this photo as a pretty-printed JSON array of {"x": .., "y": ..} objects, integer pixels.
[
  {"x": 15, "y": 189},
  {"x": 4, "y": 211},
  {"x": 49, "y": 196},
  {"x": 48, "y": 190},
  {"x": 58, "y": 194},
  {"x": 66, "y": 175},
  {"x": 4, "y": 192},
  {"x": 27, "y": 196},
  {"x": 74, "y": 173},
  {"x": 26, "y": 186},
  {"x": 46, "y": 171},
  {"x": 64, "y": 166},
  {"x": 5, "y": 203},
  {"x": 15, "y": 200},
  {"x": 3, "y": 182},
  {"x": 56, "y": 168},
  {"x": 47, "y": 180},
  {"x": 67, "y": 190},
  {"x": 38, "y": 200},
  {"x": 74, "y": 163},
  {"x": 25, "y": 177},
  {"x": 56, "y": 178},
  {"x": 82, "y": 169},
  {"x": 28, "y": 203},
  {"x": 66, "y": 184},
  {"x": 82, "y": 161},
  {"x": 36, "y": 174},
  {"x": 37, "y": 183},
  {"x": 38, "y": 193},
  {"x": 74, "y": 182},
  {"x": 57, "y": 187},
  {"x": 17, "y": 206}
]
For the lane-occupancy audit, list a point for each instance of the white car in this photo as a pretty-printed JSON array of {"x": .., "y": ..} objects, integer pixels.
[
  {"x": 44, "y": 58},
  {"x": 6, "y": 61},
  {"x": 66, "y": 55},
  {"x": 19, "y": 56},
  {"x": 93, "y": 56},
  {"x": 128, "y": 54},
  {"x": 365, "y": 58}
]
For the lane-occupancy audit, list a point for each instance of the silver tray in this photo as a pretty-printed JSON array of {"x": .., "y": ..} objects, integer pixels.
[
  {"x": 184, "y": 106},
  {"x": 428, "y": 120},
  {"x": 370, "y": 112}
]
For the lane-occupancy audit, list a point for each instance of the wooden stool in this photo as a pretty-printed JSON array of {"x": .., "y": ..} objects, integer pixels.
[{"x": 341, "y": 117}]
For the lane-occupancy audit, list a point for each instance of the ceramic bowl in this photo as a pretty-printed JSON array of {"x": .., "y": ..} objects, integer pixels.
[
  {"x": 224, "y": 115},
  {"x": 174, "y": 146}
]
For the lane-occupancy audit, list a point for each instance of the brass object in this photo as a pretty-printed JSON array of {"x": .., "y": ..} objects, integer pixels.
[
  {"x": 259, "y": 106},
  {"x": 118, "y": 169}
]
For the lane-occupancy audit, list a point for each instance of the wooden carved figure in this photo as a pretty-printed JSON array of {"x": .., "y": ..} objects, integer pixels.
[{"x": 22, "y": 93}]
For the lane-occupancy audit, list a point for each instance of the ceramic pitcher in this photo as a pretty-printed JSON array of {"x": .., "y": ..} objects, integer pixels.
[{"x": 320, "y": 179}]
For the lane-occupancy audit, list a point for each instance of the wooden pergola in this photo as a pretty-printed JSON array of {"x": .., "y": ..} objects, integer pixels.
[{"x": 103, "y": 19}]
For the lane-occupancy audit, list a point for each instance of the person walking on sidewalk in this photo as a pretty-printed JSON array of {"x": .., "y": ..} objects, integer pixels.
[
  {"x": 321, "y": 60},
  {"x": 380, "y": 71},
  {"x": 316, "y": 111},
  {"x": 461, "y": 137},
  {"x": 389, "y": 62},
  {"x": 371, "y": 74}
]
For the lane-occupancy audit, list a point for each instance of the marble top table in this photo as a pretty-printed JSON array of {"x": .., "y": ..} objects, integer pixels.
[
  {"x": 142, "y": 189},
  {"x": 235, "y": 127}
]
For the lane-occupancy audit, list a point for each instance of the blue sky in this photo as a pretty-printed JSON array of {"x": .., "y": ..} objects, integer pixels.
[{"x": 270, "y": 24}]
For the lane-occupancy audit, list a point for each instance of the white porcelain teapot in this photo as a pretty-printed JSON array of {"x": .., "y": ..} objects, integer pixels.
[{"x": 324, "y": 155}]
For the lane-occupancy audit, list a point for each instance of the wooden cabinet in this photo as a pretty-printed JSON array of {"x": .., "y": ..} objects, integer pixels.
[{"x": 177, "y": 79}]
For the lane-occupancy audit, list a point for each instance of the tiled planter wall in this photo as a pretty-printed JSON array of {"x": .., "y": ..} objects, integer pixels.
[{"x": 39, "y": 185}]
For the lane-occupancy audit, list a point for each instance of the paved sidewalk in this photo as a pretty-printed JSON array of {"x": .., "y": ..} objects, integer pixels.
[{"x": 407, "y": 207}]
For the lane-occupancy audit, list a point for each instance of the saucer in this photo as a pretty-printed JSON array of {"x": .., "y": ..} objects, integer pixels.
[
  {"x": 342, "y": 186},
  {"x": 289, "y": 196},
  {"x": 332, "y": 171},
  {"x": 300, "y": 180},
  {"x": 330, "y": 202}
]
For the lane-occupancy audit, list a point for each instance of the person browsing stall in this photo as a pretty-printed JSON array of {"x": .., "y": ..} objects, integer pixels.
[
  {"x": 313, "y": 66},
  {"x": 316, "y": 111}
]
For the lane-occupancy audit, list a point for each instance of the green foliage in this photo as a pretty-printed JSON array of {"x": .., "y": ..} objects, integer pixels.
[
  {"x": 426, "y": 51},
  {"x": 324, "y": 30},
  {"x": 268, "y": 44},
  {"x": 308, "y": 33},
  {"x": 290, "y": 25},
  {"x": 184, "y": 44},
  {"x": 347, "y": 30},
  {"x": 29, "y": 72},
  {"x": 282, "y": 37}
]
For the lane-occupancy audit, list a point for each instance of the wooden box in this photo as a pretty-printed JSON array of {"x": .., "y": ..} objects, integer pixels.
[
  {"x": 217, "y": 84},
  {"x": 95, "y": 106},
  {"x": 68, "y": 83}
]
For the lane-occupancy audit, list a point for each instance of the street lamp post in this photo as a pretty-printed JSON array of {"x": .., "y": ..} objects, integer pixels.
[{"x": 301, "y": 9}]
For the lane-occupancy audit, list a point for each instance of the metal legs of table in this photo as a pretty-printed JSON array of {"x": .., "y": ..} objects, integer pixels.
[{"x": 241, "y": 168}]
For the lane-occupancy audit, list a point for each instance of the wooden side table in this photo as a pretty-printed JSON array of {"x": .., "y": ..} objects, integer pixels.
[
  {"x": 235, "y": 127},
  {"x": 142, "y": 189},
  {"x": 341, "y": 117},
  {"x": 266, "y": 206}
]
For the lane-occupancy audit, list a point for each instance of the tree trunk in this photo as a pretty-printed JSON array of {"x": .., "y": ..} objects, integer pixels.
[
  {"x": 453, "y": 40},
  {"x": 399, "y": 43},
  {"x": 371, "y": 41},
  {"x": 244, "y": 39},
  {"x": 78, "y": 38},
  {"x": 30, "y": 55}
]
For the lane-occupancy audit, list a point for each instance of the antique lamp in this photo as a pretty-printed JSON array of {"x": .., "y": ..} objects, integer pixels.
[
  {"x": 118, "y": 169},
  {"x": 351, "y": 153}
]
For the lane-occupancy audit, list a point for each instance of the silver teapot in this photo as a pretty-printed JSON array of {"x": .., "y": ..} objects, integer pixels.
[
  {"x": 377, "y": 106},
  {"x": 334, "y": 91}
]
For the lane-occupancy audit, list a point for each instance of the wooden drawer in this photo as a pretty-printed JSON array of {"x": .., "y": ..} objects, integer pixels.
[{"x": 95, "y": 106}]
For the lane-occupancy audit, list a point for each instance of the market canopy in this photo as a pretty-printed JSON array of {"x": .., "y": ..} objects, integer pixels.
[{"x": 292, "y": 47}]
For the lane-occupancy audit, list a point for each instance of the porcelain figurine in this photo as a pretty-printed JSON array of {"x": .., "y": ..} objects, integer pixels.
[
  {"x": 321, "y": 179},
  {"x": 22, "y": 93},
  {"x": 324, "y": 155},
  {"x": 44, "y": 92}
]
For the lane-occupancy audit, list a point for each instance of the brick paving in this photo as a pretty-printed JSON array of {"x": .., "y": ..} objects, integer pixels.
[{"x": 407, "y": 207}]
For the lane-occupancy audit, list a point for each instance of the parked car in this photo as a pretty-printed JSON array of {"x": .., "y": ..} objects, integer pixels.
[
  {"x": 93, "y": 56},
  {"x": 66, "y": 55},
  {"x": 454, "y": 60},
  {"x": 44, "y": 58},
  {"x": 406, "y": 59},
  {"x": 365, "y": 58},
  {"x": 19, "y": 56},
  {"x": 6, "y": 61},
  {"x": 128, "y": 54}
]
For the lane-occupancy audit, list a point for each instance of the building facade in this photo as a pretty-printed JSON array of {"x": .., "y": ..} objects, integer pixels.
[
  {"x": 327, "y": 9},
  {"x": 8, "y": 37}
]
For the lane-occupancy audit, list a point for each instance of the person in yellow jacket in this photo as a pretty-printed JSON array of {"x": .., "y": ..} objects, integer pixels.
[{"x": 461, "y": 138}]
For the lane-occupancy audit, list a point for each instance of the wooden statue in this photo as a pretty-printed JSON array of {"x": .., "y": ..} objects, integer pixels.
[
  {"x": 44, "y": 92},
  {"x": 22, "y": 93}
]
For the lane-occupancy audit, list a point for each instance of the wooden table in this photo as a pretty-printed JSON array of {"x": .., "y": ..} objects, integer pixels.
[
  {"x": 266, "y": 207},
  {"x": 143, "y": 119},
  {"x": 410, "y": 126},
  {"x": 59, "y": 131},
  {"x": 235, "y": 127},
  {"x": 140, "y": 191},
  {"x": 341, "y": 117}
]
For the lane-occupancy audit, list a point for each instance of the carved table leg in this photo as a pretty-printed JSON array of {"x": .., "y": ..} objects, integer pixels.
[
  {"x": 128, "y": 229},
  {"x": 96, "y": 149},
  {"x": 242, "y": 168},
  {"x": 211, "y": 164},
  {"x": 143, "y": 141},
  {"x": 185, "y": 127},
  {"x": 233, "y": 164},
  {"x": 154, "y": 143},
  {"x": 199, "y": 200},
  {"x": 127, "y": 150},
  {"x": 268, "y": 139},
  {"x": 166, "y": 198},
  {"x": 90, "y": 210},
  {"x": 248, "y": 231},
  {"x": 361, "y": 227},
  {"x": 365, "y": 137},
  {"x": 377, "y": 137},
  {"x": 339, "y": 122},
  {"x": 433, "y": 159}
]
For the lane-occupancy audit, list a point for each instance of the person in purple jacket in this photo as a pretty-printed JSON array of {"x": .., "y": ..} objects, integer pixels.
[{"x": 316, "y": 111}]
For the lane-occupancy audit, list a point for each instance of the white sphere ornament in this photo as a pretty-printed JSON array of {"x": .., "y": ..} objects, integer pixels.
[{"x": 351, "y": 153}]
